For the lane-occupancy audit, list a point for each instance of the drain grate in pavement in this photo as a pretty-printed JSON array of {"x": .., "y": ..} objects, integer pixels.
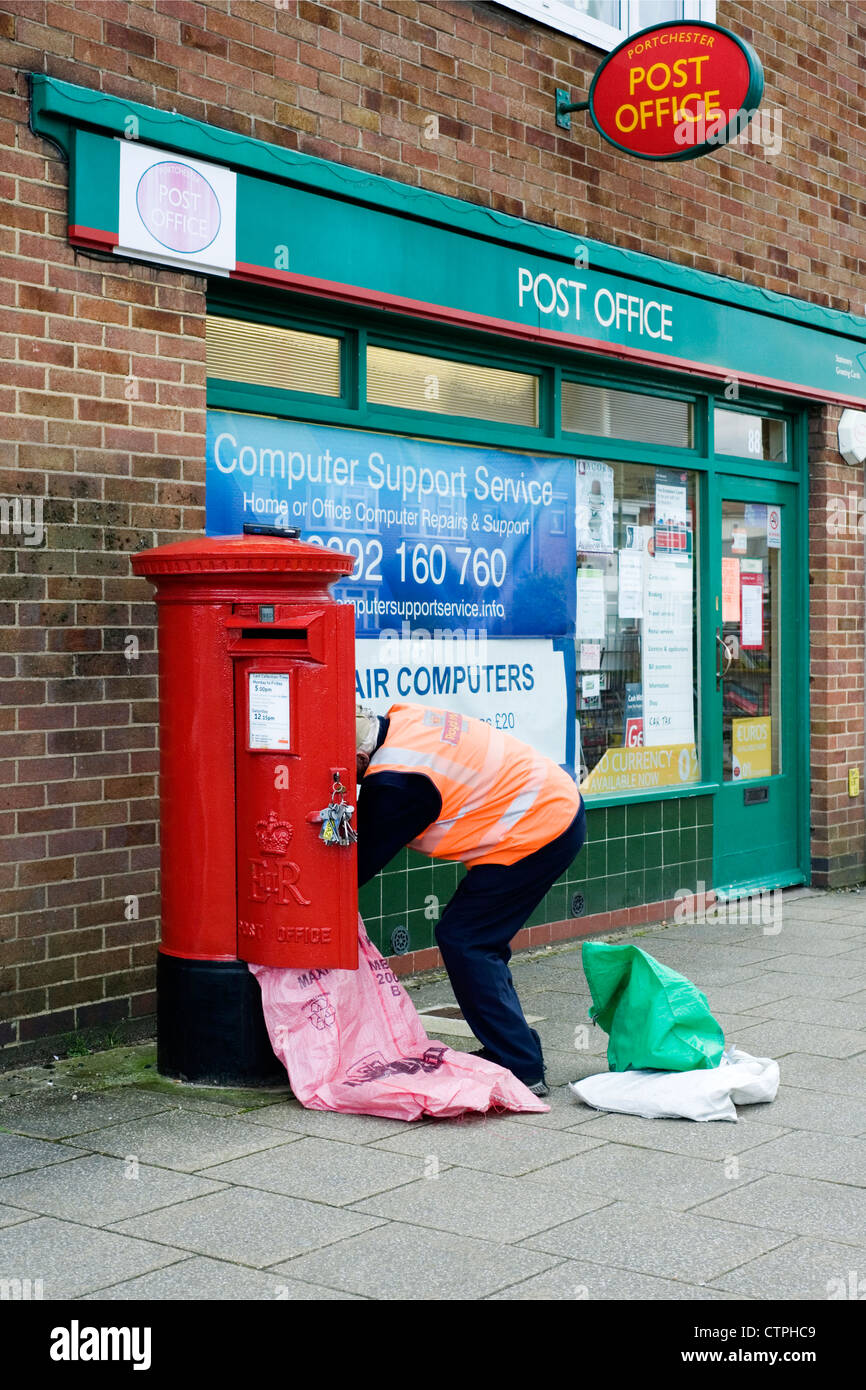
[{"x": 447, "y": 1018}]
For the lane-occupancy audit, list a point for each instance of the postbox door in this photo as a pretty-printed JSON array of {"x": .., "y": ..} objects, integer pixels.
[{"x": 294, "y": 733}]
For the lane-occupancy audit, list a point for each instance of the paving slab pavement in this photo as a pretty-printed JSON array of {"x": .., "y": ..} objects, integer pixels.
[{"x": 118, "y": 1184}]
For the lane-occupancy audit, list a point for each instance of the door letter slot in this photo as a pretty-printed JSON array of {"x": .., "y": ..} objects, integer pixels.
[{"x": 752, "y": 795}]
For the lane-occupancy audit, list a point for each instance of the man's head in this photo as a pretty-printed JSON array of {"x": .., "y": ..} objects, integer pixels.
[{"x": 366, "y": 736}]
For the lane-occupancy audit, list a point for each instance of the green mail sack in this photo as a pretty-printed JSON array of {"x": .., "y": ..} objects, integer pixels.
[{"x": 656, "y": 1018}]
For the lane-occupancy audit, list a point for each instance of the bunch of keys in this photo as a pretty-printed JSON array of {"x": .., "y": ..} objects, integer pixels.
[{"x": 336, "y": 818}]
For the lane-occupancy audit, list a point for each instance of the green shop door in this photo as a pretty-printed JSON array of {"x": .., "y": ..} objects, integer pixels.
[{"x": 755, "y": 692}]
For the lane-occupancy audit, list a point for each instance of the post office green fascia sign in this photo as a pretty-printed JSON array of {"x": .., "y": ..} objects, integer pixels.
[{"x": 320, "y": 228}]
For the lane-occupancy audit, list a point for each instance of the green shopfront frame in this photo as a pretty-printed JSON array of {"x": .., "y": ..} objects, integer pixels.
[{"x": 646, "y": 846}]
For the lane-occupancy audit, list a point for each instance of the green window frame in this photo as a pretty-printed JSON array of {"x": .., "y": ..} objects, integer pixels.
[
  {"x": 765, "y": 415},
  {"x": 552, "y": 364}
]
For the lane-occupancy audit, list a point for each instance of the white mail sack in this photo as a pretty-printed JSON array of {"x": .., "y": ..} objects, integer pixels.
[{"x": 711, "y": 1094}]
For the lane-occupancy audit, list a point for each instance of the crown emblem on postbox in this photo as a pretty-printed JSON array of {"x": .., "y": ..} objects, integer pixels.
[{"x": 273, "y": 835}]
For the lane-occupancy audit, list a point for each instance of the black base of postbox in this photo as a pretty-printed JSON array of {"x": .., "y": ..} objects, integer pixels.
[{"x": 210, "y": 1025}]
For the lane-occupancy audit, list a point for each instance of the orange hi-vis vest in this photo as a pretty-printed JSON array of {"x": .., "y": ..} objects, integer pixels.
[{"x": 500, "y": 799}]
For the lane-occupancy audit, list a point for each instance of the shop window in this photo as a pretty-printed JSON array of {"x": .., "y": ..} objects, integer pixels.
[
  {"x": 751, "y": 681},
  {"x": 258, "y": 354},
  {"x": 626, "y": 415},
  {"x": 441, "y": 386},
  {"x": 637, "y": 684},
  {"x": 605, "y": 23},
  {"x": 750, "y": 436}
]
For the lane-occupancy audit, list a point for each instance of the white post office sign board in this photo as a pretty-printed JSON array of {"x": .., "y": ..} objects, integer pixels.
[{"x": 175, "y": 210}]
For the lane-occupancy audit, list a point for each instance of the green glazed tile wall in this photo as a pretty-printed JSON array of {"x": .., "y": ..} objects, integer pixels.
[{"x": 634, "y": 854}]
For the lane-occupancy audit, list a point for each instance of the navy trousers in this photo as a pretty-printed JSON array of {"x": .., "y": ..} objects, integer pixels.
[{"x": 492, "y": 903}]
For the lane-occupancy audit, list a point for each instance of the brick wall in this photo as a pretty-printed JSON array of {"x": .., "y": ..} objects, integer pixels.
[
  {"x": 103, "y": 378},
  {"x": 837, "y": 521},
  {"x": 108, "y": 434}
]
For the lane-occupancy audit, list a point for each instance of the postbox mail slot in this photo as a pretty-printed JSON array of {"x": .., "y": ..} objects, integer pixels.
[{"x": 299, "y": 633}]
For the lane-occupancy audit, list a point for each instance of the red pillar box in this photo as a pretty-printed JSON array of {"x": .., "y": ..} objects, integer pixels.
[{"x": 257, "y": 731}]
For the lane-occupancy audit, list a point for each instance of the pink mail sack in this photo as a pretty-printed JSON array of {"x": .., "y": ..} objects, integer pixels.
[{"x": 351, "y": 1040}]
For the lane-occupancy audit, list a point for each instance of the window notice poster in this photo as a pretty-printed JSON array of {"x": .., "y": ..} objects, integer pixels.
[
  {"x": 666, "y": 656},
  {"x": 752, "y": 610},
  {"x": 594, "y": 507},
  {"x": 641, "y": 769},
  {"x": 751, "y": 748},
  {"x": 590, "y": 605},
  {"x": 730, "y": 589},
  {"x": 523, "y": 687},
  {"x": 464, "y": 562},
  {"x": 445, "y": 537},
  {"x": 671, "y": 513},
  {"x": 774, "y": 528},
  {"x": 630, "y": 591},
  {"x": 269, "y": 711},
  {"x": 590, "y": 656},
  {"x": 632, "y": 735}
]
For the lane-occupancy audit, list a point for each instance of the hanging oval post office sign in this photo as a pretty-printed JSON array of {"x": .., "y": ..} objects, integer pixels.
[{"x": 676, "y": 91}]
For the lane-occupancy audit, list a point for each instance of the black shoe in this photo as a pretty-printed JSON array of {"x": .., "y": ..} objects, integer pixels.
[{"x": 538, "y": 1088}]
